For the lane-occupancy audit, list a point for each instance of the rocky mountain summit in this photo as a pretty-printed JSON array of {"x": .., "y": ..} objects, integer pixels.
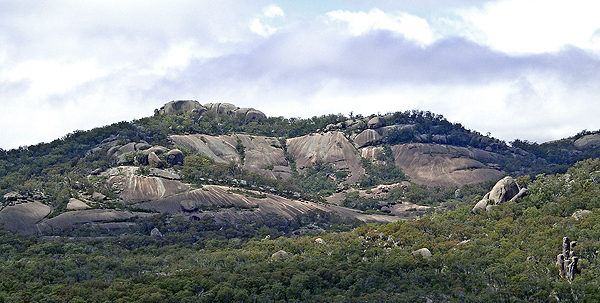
[{"x": 234, "y": 164}]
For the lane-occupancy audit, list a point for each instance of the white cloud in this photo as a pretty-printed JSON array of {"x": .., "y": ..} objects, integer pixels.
[
  {"x": 410, "y": 26},
  {"x": 78, "y": 65},
  {"x": 273, "y": 11},
  {"x": 536, "y": 26},
  {"x": 265, "y": 25},
  {"x": 50, "y": 77}
]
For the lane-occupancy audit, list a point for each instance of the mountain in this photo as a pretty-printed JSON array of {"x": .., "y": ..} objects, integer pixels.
[
  {"x": 235, "y": 164},
  {"x": 215, "y": 203}
]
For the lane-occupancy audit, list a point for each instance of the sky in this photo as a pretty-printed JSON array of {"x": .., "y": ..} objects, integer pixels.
[{"x": 517, "y": 69}]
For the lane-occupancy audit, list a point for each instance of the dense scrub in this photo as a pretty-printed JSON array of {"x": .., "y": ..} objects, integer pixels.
[{"x": 507, "y": 254}]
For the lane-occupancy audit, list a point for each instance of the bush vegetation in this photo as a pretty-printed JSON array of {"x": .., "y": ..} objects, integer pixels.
[{"x": 506, "y": 254}]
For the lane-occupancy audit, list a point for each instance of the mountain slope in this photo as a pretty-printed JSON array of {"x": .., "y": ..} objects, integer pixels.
[{"x": 158, "y": 165}]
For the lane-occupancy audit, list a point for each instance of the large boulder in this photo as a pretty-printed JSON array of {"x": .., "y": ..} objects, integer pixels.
[
  {"x": 158, "y": 150},
  {"x": 375, "y": 122},
  {"x": 367, "y": 137},
  {"x": 505, "y": 190},
  {"x": 221, "y": 108},
  {"x": 76, "y": 204},
  {"x": 178, "y": 106},
  {"x": 133, "y": 153},
  {"x": 255, "y": 115},
  {"x": 248, "y": 114},
  {"x": 175, "y": 157},
  {"x": 423, "y": 252},
  {"x": 127, "y": 148},
  {"x": 281, "y": 254},
  {"x": 21, "y": 218},
  {"x": 154, "y": 160},
  {"x": 156, "y": 233}
]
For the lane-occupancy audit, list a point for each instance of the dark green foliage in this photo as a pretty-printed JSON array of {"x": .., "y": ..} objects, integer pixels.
[
  {"x": 354, "y": 200},
  {"x": 381, "y": 171},
  {"x": 430, "y": 196},
  {"x": 241, "y": 150},
  {"x": 506, "y": 255},
  {"x": 559, "y": 155},
  {"x": 319, "y": 180}
]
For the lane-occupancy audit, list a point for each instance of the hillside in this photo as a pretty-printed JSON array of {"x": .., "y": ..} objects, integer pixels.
[
  {"x": 191, "y": 202},
  {"x": 236, "y": 164},
  {"x": 506, "y": 254}
]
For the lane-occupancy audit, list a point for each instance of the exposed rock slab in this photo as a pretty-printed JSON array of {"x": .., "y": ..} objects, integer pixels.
[
  {"x": 72, "y": 218},
  {"x": 263, "y": 155},
  {"x": 21, "y": 218},
  {"x": 331, "y": 148},
  {"x": 76, "y": 204},
  {"x": 437, "y": 164},
  {"x": 177, "y": 106},
  {"x": 135, "y": 188},
  {"x": 214, "y": 147},
  {"x": 367, "y": 137},
  {"x": 224, "y": 205},
  {"x": 588, "y": 141}
]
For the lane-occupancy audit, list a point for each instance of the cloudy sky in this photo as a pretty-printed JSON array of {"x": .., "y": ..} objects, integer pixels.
[{"x": 527, "y": 69}]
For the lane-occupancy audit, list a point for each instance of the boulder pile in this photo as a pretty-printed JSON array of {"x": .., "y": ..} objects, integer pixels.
[
  {"x": 179, "y": 106},
  {"x": 505, "y": 190}
]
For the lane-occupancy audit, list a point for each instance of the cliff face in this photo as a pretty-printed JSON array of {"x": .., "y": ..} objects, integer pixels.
[
  {"x": 437, "y": 164},
  {"x": 263, "y": 155},
  {"x": 330, "y": 148}
]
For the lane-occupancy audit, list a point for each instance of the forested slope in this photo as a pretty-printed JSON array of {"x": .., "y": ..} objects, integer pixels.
[{"x": 507, "y": 254}]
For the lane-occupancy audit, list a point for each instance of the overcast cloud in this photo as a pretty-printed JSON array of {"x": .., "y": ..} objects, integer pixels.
[{"x": 522, "y": 69}]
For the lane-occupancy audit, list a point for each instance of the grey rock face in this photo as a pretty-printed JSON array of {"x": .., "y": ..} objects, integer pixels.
[
  {"x": 98, "y": 196},
  {"x": 588, "y": 141},
  {"x": 254, "y": 115},
  {"x": 175, "y": 157},
  {"x": 320, "y": 241},
  {"x": 375, "y": 122},
  {"x": 330, "y": 148},
  {"x": 142, "y": 146},
  {"x": 165, "y": 174},
  {"x": 154, "y": 161},
  {"x": 281, "y": 254},
  {"x": 76, "y": 204},
  {"x": 156, "y": 233},
  {"x": 367, "y": 137},
  {"x": 188, "y": 205},
  {"x": 581, "y": 214},
  {"x": 567, "y": 261},
  {"x": 158, "y": 150},
  {"x": 177, "y": 106},
  {"x": 221, "y": 108},
  {"x": 424, "y": 252},
  {"x": 505, "y": 190}
]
